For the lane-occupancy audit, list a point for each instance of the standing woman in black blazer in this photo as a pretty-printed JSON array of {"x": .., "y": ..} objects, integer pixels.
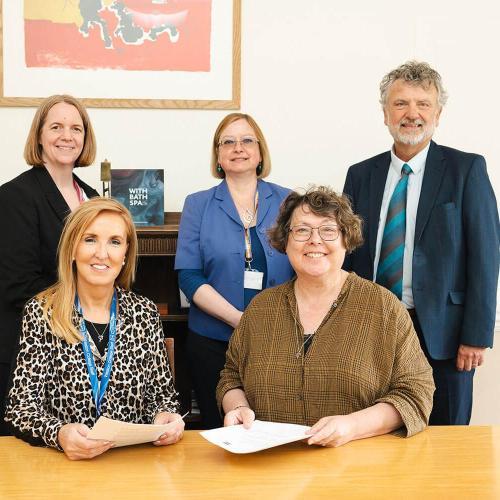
[{"x": 33, "y": 207}]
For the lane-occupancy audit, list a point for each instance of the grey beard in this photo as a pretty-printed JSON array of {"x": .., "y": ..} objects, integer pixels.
[{"x": 413, "y": 140}]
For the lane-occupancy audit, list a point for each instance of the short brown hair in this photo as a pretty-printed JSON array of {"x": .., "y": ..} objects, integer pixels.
[
  {"x": 264, "y": 150},
  {"x": 321, "y": 200},
  {"x": 33, "y": 148}
]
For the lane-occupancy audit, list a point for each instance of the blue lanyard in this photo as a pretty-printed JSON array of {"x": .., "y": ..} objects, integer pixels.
[{"x": 99, "y": 386}]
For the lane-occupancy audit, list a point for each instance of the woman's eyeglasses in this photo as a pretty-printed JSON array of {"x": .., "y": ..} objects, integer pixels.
[
  {"x": 304, "y": 233},
  {"x": 231, "y": 142}
]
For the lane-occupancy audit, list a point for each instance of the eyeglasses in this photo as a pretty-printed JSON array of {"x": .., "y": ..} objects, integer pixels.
[
  {"x": 304, "y": 233},
  {"x": 247, "y": 142}
]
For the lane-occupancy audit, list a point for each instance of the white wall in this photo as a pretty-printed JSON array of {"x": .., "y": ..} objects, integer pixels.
[{"x": 310, "y": 75}]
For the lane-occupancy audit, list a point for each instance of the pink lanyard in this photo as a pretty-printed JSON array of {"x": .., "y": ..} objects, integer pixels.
[{"x": 79, "y": 192}]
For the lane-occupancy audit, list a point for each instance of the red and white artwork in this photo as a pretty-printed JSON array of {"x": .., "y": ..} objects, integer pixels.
[{"x": 138, "y": 35}]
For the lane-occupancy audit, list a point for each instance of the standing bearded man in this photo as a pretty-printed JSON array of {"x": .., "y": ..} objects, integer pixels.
[{"x": 431, "y": 234}]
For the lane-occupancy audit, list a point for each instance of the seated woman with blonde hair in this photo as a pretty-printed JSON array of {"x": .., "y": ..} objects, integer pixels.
[
  {"x": 90, "y": 346},
  {"x": 328, "y": 349}
]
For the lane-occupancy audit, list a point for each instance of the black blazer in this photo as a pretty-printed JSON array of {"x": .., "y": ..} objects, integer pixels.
[
  {"x": 456, "y": 255},
  {"x": 32, "y": 213}
]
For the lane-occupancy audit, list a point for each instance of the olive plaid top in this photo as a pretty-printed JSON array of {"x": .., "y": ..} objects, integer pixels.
[{"x": 364, "y": 352}]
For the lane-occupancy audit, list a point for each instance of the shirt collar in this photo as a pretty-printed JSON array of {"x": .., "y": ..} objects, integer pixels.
[{"x": 417, "y": 163}]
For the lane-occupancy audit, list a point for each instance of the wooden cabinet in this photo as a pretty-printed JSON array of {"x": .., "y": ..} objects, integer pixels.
[{"x": 157, "y": 280}]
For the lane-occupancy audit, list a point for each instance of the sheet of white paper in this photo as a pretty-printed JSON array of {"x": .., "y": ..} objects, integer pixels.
[
  {"x": 124, "y": 434},
  {"x": 261, "y": 436}
]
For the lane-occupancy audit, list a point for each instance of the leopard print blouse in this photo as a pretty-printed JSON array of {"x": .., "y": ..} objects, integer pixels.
[{"x": 51, "y": 385}]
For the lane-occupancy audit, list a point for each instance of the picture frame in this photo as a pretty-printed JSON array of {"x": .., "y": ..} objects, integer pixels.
[{"x": 26, "y": 77}]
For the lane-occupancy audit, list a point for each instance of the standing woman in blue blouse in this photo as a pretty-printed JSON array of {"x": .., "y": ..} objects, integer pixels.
[{"x": 223, "y": 256}]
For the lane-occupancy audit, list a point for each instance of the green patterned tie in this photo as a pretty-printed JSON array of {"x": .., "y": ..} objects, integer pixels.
[{"x": 390, "y": 264}]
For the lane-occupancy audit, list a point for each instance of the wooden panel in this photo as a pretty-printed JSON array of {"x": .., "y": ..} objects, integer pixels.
[
  {"x": 159, "y": 240},
  {"x": 157, "y": 244}
]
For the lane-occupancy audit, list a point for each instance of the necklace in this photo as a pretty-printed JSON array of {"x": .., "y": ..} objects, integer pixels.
[
  {"x": 100, "y": 335},
  {"x": 247, "y": 216},
  {"x": 307, "y": 336}
]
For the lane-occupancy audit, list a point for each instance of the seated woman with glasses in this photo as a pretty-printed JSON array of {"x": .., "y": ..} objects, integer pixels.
[
  {"x": 90, "y": 346},
  {"x": 328, "y": 349},
  {"x": 223, "y": 256}
]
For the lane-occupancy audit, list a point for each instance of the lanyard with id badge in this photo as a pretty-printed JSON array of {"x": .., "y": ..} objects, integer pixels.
[
  {"x": 99, "y": 386},
  {"x": 252, "y": 277}
]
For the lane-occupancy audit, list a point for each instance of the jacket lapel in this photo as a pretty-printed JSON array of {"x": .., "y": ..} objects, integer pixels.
[
  {"x": 265, "y": 196},
  {"x": 433, "y": 175},
  {"x": 89, "y": 191},
  {"x": 378, "y": 177},
  {"x": 226, "y": 202},
  {"x": 53, "y": 195}
]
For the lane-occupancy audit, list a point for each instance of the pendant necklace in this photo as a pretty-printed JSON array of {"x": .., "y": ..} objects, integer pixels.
[
  {"x": 248, "y": 216},
  {"x": 100, "y": 335},
  {"x": 307, "y": 337}
]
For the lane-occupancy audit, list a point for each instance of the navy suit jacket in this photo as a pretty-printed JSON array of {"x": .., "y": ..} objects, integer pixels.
[{"x": 456, "y": 252}]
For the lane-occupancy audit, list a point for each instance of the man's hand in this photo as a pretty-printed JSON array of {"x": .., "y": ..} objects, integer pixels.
[{"x": 469, "y": 357}]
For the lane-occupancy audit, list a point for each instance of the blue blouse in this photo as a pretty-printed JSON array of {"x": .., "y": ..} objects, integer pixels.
[
  {"x": 211, "y": 239},
  {"x": 191, "y": 279}
]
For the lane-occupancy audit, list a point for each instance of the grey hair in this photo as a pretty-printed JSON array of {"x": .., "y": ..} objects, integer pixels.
[{"x": 415, "y": 73}]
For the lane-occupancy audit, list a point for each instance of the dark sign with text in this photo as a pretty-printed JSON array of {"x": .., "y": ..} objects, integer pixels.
[{"x": 141, "y": 191}]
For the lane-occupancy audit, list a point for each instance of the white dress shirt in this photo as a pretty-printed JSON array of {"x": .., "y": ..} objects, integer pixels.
[{"x": 417, "y": 164}]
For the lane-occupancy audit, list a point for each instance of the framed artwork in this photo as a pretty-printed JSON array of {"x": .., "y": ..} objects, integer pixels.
[{"x": 122, "y": 53}]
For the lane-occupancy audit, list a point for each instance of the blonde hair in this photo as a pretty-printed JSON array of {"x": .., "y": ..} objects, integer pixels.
[
  {"x": 58, "y": 300},
  {"x": 264, "y": 150},
  {"x": 33, "y": 149}
]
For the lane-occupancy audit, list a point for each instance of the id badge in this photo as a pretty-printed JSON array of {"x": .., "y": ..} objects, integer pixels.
[{"x": 253, "y": 279}]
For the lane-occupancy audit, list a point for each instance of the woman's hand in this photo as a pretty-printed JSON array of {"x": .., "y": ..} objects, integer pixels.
[
  {"x": 240, "y": 415},
  {"x": 175, "y": 430},
  {"x": 333, "y": 431},
  {"x": 73, "y": 440}
]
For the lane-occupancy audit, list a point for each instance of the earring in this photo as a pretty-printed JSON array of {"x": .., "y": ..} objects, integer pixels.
[
  {"x": 123, "y": 263},
  {"x": 219, "y": 169},
  {"x": 259, "y": 168}
]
